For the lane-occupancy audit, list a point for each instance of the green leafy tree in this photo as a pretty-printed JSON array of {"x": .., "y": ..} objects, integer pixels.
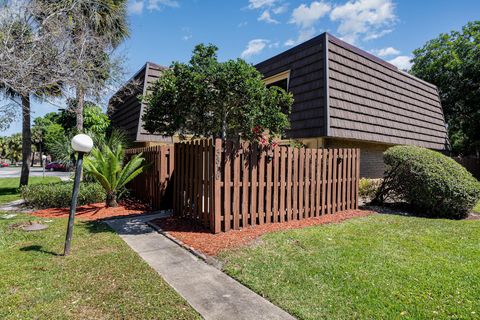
[
  {"x": 14, "y": 147},
  {"x": 94, "y": 120},
  {"x": 452, "y": 62},
  {"x": 207, "y": 98},
  {"x": 106, "y": 165}
]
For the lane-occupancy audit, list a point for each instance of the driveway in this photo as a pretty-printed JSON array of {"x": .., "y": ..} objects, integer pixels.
[{"x": 14, "y": 172}]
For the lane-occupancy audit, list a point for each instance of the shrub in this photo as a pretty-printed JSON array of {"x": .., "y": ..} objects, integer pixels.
[
  {"x": 433, "y": 184},
  {"x": 368, "y": 188},
  {"x": 59, "y": 195}
]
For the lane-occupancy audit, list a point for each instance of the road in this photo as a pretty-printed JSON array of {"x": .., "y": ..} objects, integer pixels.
[{"x": 14, "y": 172}]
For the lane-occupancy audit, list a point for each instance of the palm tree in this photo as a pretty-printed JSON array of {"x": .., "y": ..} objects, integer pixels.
[
  {"x": 106, "y": 165},
  {"x": 93, "y": 20}
]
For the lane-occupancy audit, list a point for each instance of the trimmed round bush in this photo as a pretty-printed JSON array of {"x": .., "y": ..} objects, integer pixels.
[
  {"x": 432, "y": 183},
  {"x": 59, "y": 195}
]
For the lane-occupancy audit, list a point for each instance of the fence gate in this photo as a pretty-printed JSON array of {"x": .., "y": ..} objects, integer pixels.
[
  {"x": 154, "y": 185},
  {"x": 233, "y": 185}
]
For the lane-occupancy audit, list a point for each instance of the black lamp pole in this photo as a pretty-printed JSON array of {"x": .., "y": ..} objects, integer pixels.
[{"x": 73, "y": 205}]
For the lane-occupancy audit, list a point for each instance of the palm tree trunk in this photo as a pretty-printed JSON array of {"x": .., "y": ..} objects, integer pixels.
[
  {"x": 111, "y": 200},
  {"x": 26, "y": 141},
  {"x": 33, "y": 159},
  {"x": 80, "y": 96}
]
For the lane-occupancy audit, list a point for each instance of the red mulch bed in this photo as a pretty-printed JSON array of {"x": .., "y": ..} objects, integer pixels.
[
  {"x": 96, "y": 211},
  {"x": 201, "y": 239}
]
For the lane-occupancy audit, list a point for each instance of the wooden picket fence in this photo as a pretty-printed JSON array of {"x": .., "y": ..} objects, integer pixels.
[
  {"x": 154, "y": 185},
  {"x": 229, "y": 186}
]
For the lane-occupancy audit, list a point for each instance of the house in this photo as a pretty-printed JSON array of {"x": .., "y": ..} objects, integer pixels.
[
  {"x": 344, "y": 97},
  {"x": 126, "y": 109}
]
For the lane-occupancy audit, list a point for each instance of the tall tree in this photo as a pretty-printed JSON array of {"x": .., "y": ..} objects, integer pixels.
[
  {"x": 210, "y": 98},
  {"x": 452, "y": 62},
  {"x": 31, "y": 50},
  {"x": 97, "y": 28}
]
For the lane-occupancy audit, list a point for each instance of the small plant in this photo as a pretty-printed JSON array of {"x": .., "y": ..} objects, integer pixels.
[
  {"x": 368, "y": 188},
  {"x": 106, "y": 165},
  {"x": 58, "y": 195},
  {"x": 432, "y": 183}
]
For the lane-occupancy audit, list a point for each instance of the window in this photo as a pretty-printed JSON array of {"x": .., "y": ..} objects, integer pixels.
[{"x": 279, "y": 80}]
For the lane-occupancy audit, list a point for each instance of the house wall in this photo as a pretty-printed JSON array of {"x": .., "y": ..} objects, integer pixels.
[
  {"x": 153, "y": 72},
  {"x": 306, "y": 65},
  {"x": 126, "y": 109},
  {"x": 371, "y": 100},
  {"x": 371, "y": 155},
  {"x": 124, "y": 106}
]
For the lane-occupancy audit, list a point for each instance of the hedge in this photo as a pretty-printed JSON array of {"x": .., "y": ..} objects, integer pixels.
[
  {"x": 433, "y": 184},
  {"x": 58, "y": 195}
]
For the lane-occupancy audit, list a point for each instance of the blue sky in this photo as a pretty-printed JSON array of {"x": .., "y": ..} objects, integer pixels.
[{"x": 167, "y": 30}]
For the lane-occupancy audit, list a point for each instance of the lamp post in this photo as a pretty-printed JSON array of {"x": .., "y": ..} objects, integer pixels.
[
  {"x": 44, "y": 159},
  {"x": 81, "y": 143}
]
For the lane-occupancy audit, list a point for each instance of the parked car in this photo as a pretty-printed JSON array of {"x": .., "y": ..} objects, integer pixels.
[
  {"x": 4, "y": 164},
  {"x": 55, "y": 166}
]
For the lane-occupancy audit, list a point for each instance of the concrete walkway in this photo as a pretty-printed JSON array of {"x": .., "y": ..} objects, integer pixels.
[{"x": 208, "y": 290}]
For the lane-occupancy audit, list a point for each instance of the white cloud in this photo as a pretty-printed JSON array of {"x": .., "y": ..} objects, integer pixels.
[
  {"x": 266, "y": 17},
  {"x": 306, "y": 16},
  {"x": 269, "y": 7},
  {"x": 159, "y": 4},
  {"x": 366, "y": 18},
  {"x": 386, "y": 52},
  {"x": 402, "y": 62},
  {"x": 135, "y": 7},
  {"x": 289, "y": 43},
  {"x": 254, "y": 47},
  {"x": 257, "y": 4},
  {"x": 281, "y": 9}
]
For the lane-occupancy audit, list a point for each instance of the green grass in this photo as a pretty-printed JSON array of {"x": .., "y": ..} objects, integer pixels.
[
  {"x": 102, "y": 278},
  {"x": 477, "y": 208},
  {"x": 9, "y": 187},
  {"x": 378, "y": 267}
]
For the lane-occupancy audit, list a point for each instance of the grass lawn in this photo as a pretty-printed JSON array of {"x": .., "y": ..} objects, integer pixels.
[
  {"x": 101, "y": 279},
  {"x": 9, "y": 187},
  {"x": 378, "y": 267},
  {"x": 477, "y": 208}
]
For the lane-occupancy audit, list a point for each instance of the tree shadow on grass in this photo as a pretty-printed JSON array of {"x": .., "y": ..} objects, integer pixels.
[
  {"x": 38, "y": 248},
  {"x": 8, "y": 191}
]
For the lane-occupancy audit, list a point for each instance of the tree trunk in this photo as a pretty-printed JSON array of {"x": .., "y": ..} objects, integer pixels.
[
  {"x": 80, "y": 96},
  {"x": 33, "y": 159},
  {"x": 224, "y": 127},
  {"x": 26, "y": 141},
  {"x": 111, "y": 200}
]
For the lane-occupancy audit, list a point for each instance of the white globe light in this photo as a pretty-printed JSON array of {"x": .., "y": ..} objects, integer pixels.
[{"x": 82, "y": 143}]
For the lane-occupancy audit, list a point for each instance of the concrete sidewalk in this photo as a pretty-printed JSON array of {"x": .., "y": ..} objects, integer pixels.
[{"x": 211, "y": 292}]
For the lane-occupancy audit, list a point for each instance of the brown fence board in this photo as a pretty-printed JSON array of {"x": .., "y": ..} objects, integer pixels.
[
  {"x": 231, "y": 186},
  {"x": 261, "y": 187}
]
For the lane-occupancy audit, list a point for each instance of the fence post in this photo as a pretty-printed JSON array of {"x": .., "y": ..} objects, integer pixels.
[{"x": 217, "y": 186}]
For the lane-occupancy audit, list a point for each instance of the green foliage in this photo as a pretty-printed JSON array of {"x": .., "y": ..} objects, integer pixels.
[
  {"x": 59, "y": 195},
  {"x": 452, "y": 62},
  {"x": 106, "y": 165},
  {"x": 94, "y": 119},
  {"x": 9, "y": 190},
  {"x": 206, "y": 97},
  {"x": 433, "y": 184},
  {"x": 11, "y": 147},
  {"x": 368, "y": 188}
]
